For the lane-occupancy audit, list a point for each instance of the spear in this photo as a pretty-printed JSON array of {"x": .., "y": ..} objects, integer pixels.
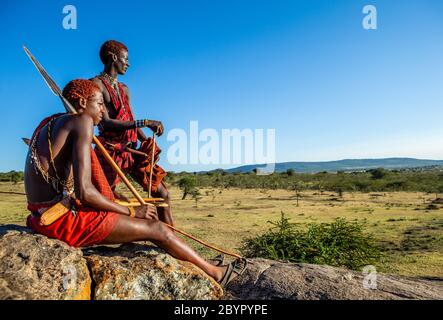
[{"x": 56, "y": 90}]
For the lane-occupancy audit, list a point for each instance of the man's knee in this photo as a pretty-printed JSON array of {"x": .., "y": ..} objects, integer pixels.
[
  {"x": 163, "y": 193},
  {"x": 163, "y": 233}
]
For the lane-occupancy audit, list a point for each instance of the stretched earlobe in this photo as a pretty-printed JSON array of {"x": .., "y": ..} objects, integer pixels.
[
  {"x": 113, "y": 55},
  {"x": 82, "y": 103}
]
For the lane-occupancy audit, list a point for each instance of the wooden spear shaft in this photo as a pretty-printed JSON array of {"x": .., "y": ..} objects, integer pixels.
[{"x": 152, "y": 165}]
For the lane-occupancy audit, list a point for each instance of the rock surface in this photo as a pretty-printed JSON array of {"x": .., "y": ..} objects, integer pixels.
[
  {"x": 135, "y": 271},
  {"x": 33, "y": 267},
  {"x": 267, "y": 279}
]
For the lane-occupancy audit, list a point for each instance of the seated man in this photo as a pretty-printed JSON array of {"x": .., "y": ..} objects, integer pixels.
[
  {"x": 61, "y": 164},
  {"x": 119, "y": 130}
]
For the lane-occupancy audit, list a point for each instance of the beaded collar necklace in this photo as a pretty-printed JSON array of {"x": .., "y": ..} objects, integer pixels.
[{"x": 114, "y": 83}]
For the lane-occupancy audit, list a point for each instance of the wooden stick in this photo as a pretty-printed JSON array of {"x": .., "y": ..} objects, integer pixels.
[
  {"x": 204, "y": 243},
  {"x": 127, "y": 149},
  {"x": 152, "y": 165},
  {"x": 147, "y": 199},
  {"x": 137, "y": 204},
  {"x": 136, "y": 152}
]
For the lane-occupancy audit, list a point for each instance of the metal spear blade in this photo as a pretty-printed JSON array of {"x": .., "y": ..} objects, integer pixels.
[{"x": 51, "y": 84}]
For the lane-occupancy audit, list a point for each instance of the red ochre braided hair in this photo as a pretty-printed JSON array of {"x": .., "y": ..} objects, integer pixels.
[
  {"x": 111, "y": 46},
  {"x": 79, "y": 88}
]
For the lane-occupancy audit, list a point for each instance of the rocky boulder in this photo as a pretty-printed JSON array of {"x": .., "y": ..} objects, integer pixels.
[
  {"x": 34, "y": 267},
  {"x": 267, "y": 279},
  {"x": 135, "y": 271}
]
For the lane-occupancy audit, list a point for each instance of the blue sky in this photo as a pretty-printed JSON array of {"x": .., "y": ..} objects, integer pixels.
[{"x": 330, "y": 89}]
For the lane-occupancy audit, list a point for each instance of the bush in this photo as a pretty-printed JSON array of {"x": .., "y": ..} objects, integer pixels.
[
  {"x": 187, "y": 184},
  {"x": 341, "y": 244},
  {"x": 12, "y": 176},
  {"x": 378, "y": 173}
]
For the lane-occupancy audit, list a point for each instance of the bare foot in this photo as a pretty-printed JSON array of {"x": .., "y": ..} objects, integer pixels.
[
  {"x": 231, "y": 271},
  {"x": 220, "y": 273}
]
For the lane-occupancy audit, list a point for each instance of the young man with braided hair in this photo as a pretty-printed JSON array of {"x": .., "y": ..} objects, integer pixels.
[
  {"x": 119, "y": 130},
  {"x": 61, "y": 164}
]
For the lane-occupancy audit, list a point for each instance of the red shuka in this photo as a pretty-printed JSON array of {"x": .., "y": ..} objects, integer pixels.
[
  {"x": 137, "y": 166},
  {"x": 88, "y": 226}
]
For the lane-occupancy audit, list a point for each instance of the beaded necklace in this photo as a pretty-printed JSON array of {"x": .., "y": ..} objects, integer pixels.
[{"x": 114, "y": 83}]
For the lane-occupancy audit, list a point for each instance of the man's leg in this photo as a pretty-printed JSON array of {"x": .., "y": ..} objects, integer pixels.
[
  {"x": 132, "y": 229},
  {"x": 164, "y": 213}
]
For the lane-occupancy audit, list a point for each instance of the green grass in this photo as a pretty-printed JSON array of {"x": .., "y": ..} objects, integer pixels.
[{"x": 411, "y": 241}]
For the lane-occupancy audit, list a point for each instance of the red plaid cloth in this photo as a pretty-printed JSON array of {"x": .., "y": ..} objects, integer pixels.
[
  {"x": 137, "y": 166},
  {"x": 124, "y": 113},
  {"x": 88, "y": 226},
  {"x": 142, "y": 167}
]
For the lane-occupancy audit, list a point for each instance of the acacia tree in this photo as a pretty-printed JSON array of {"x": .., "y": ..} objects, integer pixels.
[
  {"x": 15, "y": 177},
  {"x": 196, "y": 195},
  {"x": 297, "y": 186},
  {"x": 187, "y": 184}
]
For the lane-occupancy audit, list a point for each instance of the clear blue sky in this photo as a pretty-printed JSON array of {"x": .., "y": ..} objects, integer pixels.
[{"x": 331, "y": 89}]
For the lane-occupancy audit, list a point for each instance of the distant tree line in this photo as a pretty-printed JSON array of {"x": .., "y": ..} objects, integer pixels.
[
  {"x": 11, "y": 176},
  {"x": 374, "y": 180}
]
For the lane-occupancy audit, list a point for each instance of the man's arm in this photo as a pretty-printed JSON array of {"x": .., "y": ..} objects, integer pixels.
[
  {"x": 115, "y": 125},
  {"x": 152, "y": 124},
  {"x": 140, "y": 134},
  {"x": 81, "y": 160}
]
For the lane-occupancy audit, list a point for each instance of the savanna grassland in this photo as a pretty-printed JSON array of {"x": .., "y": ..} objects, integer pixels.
[{"x": 406, "y": 225}]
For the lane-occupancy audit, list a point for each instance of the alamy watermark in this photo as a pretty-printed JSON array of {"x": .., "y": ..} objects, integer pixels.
[
  {"x": 370, "y": 19},
  {"x": 69, "y": 277},
  {"x": 370, "y": 277},
  {"x": 70, "y": 19},
  {"x": 227, "y": 147}
]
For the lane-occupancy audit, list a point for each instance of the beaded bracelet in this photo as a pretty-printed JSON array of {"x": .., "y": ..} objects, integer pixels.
[{"x": 141, "y": 123}]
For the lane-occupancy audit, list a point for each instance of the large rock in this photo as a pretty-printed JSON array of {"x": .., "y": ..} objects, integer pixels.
[
  {"x": 135, "y": 271},
  {"x": 35, "y": 267},
  {"x": 267, "y": 279}
]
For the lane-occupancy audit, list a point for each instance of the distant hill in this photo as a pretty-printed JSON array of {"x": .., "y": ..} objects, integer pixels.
[{"x": 346, "y": 165}]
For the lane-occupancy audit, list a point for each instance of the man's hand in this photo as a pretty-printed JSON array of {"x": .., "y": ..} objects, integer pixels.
[
  {"x": 148, "y": 211},
  {"x": 156, "y": 126}
]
